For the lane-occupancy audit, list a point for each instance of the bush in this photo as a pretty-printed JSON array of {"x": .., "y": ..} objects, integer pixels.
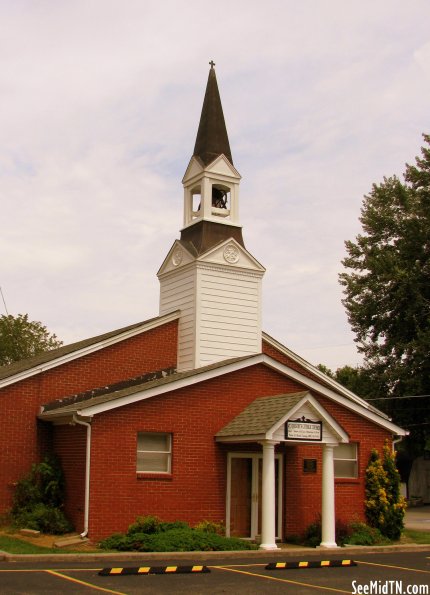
[
  {"x": 211, "y": 527},
  {"x": 43, "y": 518},
  {"x": 38, "y": 499},
  {"x": 362, "y": 534},
  {"x": 313, "y": 533},
  {"x": 145, "y": 524},
  {"x": 149, "y": 534},
  {"x": 116, "y": 541},
  {"x": 173, "y": 525},
  {"x": 385, "y": 507}
]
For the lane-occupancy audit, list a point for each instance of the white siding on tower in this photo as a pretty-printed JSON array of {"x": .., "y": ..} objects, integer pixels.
[
  {"x": 219, "y": 296},
  {"x": 229, "y": 316},
  {"x": 178, "y": 292}
]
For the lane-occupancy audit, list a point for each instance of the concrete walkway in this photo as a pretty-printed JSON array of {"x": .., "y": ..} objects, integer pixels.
[{"x": 418, "y": 518}]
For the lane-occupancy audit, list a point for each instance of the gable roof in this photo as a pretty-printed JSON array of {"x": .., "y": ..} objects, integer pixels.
[
  {"x": 133, "y": 394},
  {"x": 264, "y": 416},
  {"x": 50, "y": 359},
  {"x": 260, "y": 415}
]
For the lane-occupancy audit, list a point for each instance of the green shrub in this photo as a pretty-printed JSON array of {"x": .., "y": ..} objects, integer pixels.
[
  {"x": 313, "y": 533},
  {"x": 43, "y": 518},
  {"x": 211, "y": 527},
  {"x": 187, "y": 540},
  {"x": 117, "y": 541},
  {"x": 152, "y": 524},
  {"x": 45, "y": 483},
  {"x": 145, "y": 524},
  {"x": 166, "y": 526},
  {"x": 385, "y": 507},
  {"x": 38, "y": 499},
  {"x": 362, "y": 534},
  {"x": 171, "y": 537}
]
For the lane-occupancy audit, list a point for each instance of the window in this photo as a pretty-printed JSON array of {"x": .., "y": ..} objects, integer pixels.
[
  {"x": 345, "y": 460},
  {"x": 154, "y": 452}
]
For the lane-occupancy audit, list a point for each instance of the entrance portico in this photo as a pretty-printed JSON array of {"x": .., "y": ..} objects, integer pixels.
[{"x": 268, "y": 422}]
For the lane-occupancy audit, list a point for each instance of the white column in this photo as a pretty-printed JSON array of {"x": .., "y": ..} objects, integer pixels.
[
  {"x": 268, "y": 526},
  {"x": 328, "y": 523},
  {"x": 206, "y": 204}
]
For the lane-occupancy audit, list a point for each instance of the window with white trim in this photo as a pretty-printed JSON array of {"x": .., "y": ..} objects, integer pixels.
[
  {"x": 345, "y": 460},
  {"x": 154, "y": 452}
]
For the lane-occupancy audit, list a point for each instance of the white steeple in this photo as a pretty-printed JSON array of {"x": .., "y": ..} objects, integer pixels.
[{"x": 208, "y": 274}]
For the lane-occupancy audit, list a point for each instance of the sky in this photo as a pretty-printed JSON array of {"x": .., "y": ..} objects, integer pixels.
[{"x": 100, "y": 104}]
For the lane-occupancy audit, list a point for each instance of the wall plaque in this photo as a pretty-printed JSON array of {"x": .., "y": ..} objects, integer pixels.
[
  {"x": 303, "y": 429},
  {"x": 309, "y": 465}
]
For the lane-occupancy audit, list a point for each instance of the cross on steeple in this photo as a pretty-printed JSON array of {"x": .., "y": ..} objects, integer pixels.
[{"x": 212, "y": 63}]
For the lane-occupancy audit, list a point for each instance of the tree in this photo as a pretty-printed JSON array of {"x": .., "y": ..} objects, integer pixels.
[
  {"x": 387, "y": 291},
  {"x": 358, "y": 380},
  {"x": 21, "y": 338},
  {"x": 385, "y": 507}
]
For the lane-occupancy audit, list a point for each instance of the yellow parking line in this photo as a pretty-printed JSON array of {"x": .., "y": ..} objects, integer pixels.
[
  {"x": 391, "y": 566},
  {"x": 282, "y": 580},
  {"x": 75, "y": 580},
  {"x": 46, "y": 569}
]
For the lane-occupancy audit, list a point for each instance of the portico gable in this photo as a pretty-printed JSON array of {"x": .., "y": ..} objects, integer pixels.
[{"x": 292, "y": 418}]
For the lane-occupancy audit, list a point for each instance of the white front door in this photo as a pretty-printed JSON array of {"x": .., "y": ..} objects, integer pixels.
[{"x": 244, "y": 478}]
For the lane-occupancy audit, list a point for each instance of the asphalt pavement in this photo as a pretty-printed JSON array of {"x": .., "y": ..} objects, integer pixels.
[{"x": 387, "y": 573}]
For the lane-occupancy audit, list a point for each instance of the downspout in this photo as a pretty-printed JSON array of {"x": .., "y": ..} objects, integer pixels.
[
  {"x": 87, "y": 473},
  {"x": 396, "y": 441}
]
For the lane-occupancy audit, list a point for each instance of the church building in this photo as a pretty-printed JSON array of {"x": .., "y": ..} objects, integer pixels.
[{"x": 195, "y": 414}]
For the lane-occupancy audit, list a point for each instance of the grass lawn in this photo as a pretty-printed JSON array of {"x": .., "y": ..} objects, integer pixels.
[
  {"x": 15, "y": 544},
  {"x": 12, "y": 545},
  {"x": 411, "y": 536}
]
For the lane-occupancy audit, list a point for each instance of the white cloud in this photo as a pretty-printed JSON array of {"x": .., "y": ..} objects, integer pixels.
[{"x": 100, "y": 107}]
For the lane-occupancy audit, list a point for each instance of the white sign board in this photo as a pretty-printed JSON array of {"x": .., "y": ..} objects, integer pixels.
[{"x": 303, "y": 429}]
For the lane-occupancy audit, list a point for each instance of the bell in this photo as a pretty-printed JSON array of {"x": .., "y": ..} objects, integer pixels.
[{"x": 219, "y": 198}]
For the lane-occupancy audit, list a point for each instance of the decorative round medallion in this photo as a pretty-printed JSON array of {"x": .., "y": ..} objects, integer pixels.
[
  {"x": 231, "y": 254},
  {"x": 177, "y": 256}
]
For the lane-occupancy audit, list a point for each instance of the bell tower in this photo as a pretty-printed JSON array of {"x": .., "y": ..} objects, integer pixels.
[
  {"x": 211, "y": 182},
  {"x": 208, "y": 274}
]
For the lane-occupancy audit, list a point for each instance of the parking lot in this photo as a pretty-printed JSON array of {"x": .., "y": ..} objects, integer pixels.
[{"x": 389, "y": 573}]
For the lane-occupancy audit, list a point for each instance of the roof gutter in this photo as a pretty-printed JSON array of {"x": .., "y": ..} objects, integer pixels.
[{"x": 87, "y": 473}]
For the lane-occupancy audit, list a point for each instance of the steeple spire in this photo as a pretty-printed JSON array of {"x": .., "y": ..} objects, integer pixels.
[
  {"x": 212, "y": 138},
  {"x": 208, "y": 273}
]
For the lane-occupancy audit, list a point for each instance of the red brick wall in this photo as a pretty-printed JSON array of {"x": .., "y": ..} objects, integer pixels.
[
  {"x": 306, "y": 488},
  {"x": 23, "y": 441},
  {"x": 70, "y": 446},
  {"x": 197, "y": 486}
]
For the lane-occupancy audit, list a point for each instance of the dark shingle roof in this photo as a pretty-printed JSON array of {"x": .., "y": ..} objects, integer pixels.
[
  {"x": 261, "y": 415},
  {"x": 48, "y": 356},
  {"x": 212, "y": 137},
  {"x": 68, "y": 405}
]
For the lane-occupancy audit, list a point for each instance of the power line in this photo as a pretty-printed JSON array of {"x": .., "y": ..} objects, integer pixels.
[
  {"x": 4, "y": 301},
  {"x": 398, "y": 398}
]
